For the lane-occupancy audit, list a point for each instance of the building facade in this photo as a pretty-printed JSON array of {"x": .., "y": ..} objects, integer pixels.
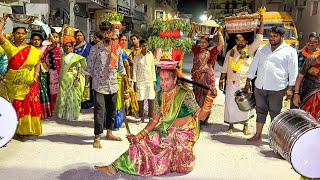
[{"x": 222, "y": 8}]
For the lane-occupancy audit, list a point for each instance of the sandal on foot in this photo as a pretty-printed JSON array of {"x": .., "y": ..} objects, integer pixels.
[
  {"x": 246, "y": 132},
  {"x": 230, "y": 131}
]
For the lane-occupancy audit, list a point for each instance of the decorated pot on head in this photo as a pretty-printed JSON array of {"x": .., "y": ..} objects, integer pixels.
[
  {"x": 68, "y": 31},
  {"x": 167, "y": 59},
  {"x": 207, "y": 27}
]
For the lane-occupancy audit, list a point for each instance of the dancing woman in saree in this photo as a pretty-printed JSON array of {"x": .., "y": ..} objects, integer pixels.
[
  {"x": 166, "y": 143},
  {"x": 21, "y": 80},
  {"x": 203, "y": 64},
  {"x": 71, "y": 82},
  {"x": 307, "y": 87}
]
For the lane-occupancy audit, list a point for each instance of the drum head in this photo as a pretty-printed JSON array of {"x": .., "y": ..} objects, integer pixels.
[
  {"x": 8, "y": 121},
  {"x": 305, "y": 157}
]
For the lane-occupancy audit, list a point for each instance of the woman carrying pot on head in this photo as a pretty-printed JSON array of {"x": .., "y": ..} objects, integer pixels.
[
  {"x": 83, "y": 48},
  {"x": 21, "y": 79},
  {"x": 71, "y": 81},
  {"x": 166, "y": 143},
  {"x": 203, "y": 64}
]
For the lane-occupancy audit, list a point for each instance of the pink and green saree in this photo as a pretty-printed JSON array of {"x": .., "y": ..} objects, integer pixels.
[{"x": 165, "y": 149}]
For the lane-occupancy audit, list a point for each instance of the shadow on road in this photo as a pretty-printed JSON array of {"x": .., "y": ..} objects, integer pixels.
[
  {"x": 89, "y": 173},
  {"x": 69, "y": 139},
  {"x": 86, "y": 111},
  {"x": 229, "y": 139},
  {"x": 271, "y": 154},
  {"x": 79, "y": 123}
]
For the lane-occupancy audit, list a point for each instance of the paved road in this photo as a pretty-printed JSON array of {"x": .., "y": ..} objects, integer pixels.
[{"x": 64, "y": 151}]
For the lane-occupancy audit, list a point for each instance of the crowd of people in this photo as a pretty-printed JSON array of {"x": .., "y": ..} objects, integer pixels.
[{"x": 62, "y": 74}]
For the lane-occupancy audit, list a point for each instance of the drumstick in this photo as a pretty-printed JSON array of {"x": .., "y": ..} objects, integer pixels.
[
  {"x": 194, "y": 83},
  {"x": 125, "y": 120}
]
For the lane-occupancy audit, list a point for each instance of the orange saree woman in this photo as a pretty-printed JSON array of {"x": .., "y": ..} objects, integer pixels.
[{"x": 22, "y": 89}]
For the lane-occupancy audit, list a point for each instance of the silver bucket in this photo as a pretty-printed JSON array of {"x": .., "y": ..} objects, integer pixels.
[
  {"x": 244, "y": 100},
  {"x": 294, "y": 134}
]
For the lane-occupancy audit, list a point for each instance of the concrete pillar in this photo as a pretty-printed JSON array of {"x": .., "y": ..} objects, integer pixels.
[{"x": 71, "y": 13}]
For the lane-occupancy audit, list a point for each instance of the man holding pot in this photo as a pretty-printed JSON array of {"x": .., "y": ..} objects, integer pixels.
[{"x": 235, "y": 67}]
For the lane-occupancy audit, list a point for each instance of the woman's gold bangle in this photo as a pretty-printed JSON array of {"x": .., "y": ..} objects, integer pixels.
[
  {"x": 145, "y": 130},
  {"x": 210, "y": 97},
  {"x": 154, "y": 120}
]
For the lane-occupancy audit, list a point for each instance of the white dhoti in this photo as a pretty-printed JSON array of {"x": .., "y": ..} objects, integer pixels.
[
  {"x": 232, "y": 113},
  {"x": 145, "y": 91}
]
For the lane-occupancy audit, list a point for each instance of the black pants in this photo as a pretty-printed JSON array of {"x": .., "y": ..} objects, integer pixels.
[
  {"x": 268, "y": 102},
  {"x": 141, "y": 108},
  {"x": 104, "y": 103}
]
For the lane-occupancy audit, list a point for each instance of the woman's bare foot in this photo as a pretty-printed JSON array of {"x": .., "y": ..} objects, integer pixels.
[{"x": 110, "y": 170}]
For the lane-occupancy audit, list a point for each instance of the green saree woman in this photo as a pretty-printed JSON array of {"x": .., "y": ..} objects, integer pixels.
[
  {"x": 169, "y": 145},
  {"x": 71, "y": 84}
]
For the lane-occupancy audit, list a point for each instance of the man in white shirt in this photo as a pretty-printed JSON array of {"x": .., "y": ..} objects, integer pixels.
[
  {"x": 276, "y": 65},
  {"x": 144, "y": 78}
]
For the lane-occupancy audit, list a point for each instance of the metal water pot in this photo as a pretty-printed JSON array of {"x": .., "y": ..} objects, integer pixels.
[
  {"x": 69, "y": 31},
  {"x": 244, "y": 100}
]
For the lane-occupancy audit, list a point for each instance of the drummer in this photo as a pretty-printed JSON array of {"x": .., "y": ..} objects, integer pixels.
[
  {"x": 235, "y": 67},
  {"x": 276, "y": 65}
]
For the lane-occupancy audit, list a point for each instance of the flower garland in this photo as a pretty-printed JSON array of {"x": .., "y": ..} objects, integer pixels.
[
  {"x": 305, "y": 52},
  {"x": 235, "y": 66}
]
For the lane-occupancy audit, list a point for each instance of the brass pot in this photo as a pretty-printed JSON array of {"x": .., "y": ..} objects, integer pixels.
[{"x": 68, "y": 31}]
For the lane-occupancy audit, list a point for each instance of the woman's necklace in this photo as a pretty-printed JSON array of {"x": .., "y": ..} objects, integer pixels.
[{"x": 167, "y": 105}]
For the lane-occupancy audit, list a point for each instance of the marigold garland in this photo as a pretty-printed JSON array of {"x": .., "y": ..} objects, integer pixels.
[
  {"x": 235, "y": 66},
  {"x": 306, "y": 54}
]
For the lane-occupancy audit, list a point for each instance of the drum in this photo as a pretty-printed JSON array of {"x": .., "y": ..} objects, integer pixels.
[
  {"x": 8, "y": 122},
  {"x": 295, "y": 134}
]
